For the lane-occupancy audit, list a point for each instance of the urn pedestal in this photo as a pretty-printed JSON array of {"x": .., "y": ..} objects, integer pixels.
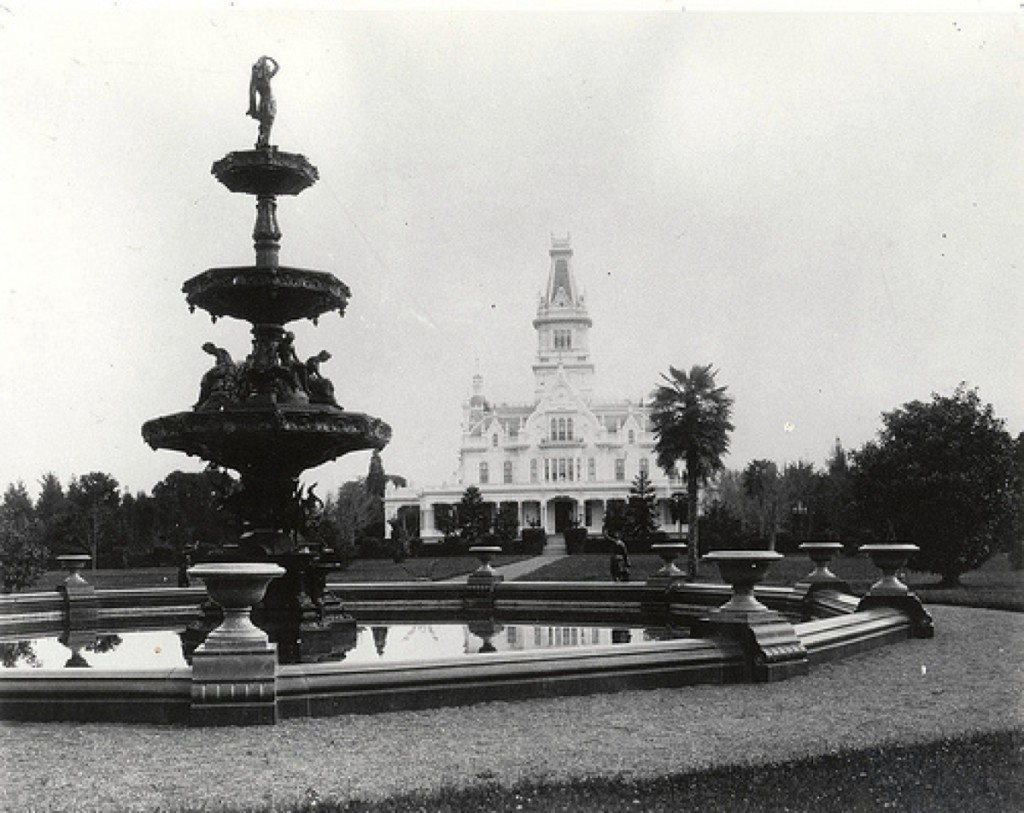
[
  {"x": 234, "y": 670},
  {"x": 889, "y": 591},
  {"x": 772, "y": 648}
]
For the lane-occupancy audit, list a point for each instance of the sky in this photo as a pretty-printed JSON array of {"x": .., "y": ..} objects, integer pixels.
[{"x": 826, "y": 207}]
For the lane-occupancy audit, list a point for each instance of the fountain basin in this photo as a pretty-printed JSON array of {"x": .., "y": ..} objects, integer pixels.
[{"x": 837, "y": 629}]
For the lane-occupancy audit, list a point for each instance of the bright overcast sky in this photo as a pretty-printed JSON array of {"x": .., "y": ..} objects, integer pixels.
[{"x": 827, "y": 207}]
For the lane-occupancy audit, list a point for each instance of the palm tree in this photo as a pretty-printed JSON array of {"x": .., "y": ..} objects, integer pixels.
[{"x": 691, "y": 423}]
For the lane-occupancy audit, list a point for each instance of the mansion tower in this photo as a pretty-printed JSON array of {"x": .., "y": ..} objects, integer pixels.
[{"x": 561, "y": 457}]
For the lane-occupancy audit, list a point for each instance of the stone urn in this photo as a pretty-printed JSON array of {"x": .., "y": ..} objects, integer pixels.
[
  {"x": 822, "y": 554},
  {"x": 669, "y": 552},
  {"x": 742, "y": 569},
  {"x": 74, "y": 563},
  {"x": 237, "y": 587},
  {"x": 486, "y": 554},
  {"x": 889, "y": 557}
]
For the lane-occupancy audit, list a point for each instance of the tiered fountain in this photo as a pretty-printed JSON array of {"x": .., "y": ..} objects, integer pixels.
[{"x": 270, "y": 416}]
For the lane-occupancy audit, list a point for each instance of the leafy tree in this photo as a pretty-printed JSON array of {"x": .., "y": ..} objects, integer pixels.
[
  {"x": 761, "y": 484},
  {"x": 836, "y": 496},
  {"x": 474, "y": 517},
  {"x": 691, "y": 415},
  {"x": 93, "y": 502},
  {"x": 721, "y": 529},
  {"x": 51, "y": 507},
  {"x": 446, "y": 520},
  {"x": 375, "y": 484},
  {"x": 799, "y": 508},
  {"x": 353, "y": 510},
  {"x": 186, "y": 508},
  {"x": 506, "y": 523},
  {"x": 944, "y": 475},
  {"x": 614, "y": 523},
  {"x": 23, "y": 553},
  {"x": 641, "y": 511}
]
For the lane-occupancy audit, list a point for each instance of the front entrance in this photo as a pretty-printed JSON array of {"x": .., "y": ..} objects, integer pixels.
[{"x": 565, "y": 514}]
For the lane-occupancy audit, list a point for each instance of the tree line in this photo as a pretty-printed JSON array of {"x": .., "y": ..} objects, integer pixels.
[{"x": 943, "y": 474}]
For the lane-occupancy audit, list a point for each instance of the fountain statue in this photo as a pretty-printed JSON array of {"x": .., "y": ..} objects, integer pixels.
[{"x": 270, "y": 416}]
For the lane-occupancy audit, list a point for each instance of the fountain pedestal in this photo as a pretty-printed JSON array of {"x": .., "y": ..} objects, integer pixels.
[
  {"x": 821, "y": 578},
  {"x": 80, "y": 603},
  {"x": 234, "y": 671},
  {"x": 669, "y": 573},
  {"x": 889, "y": 591},
  {"x": 770, "y": 643}
]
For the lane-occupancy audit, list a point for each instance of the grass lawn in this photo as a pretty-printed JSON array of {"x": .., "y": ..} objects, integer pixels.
[
  {"x": 361, "y": 570},
  {"x": 995, "y": 584},
  {"x": 930, "y": 725}
]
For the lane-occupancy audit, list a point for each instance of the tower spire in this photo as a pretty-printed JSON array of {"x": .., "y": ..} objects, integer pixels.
[{"x": 562, "y": 324}]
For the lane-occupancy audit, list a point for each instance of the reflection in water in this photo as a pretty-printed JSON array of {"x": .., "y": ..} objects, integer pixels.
[
  {"x": 379, "y": 643},
  {"x": 18, "y": 653}
]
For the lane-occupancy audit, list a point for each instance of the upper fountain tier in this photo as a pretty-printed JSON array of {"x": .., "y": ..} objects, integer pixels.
[
  {"x": 265, "y": 171},
  {"x": 266, "y": 293}
]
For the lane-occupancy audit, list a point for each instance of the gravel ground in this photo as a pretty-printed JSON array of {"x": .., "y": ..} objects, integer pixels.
[{"x": 969, "y": 678}]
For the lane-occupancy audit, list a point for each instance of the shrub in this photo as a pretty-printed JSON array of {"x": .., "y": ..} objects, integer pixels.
[
  {"x": 533, "y": 541},
  {"x": 576, "y": 540}
]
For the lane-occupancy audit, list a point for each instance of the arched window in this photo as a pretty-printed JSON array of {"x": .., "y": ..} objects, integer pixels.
[{"x": 484, "y": 473}]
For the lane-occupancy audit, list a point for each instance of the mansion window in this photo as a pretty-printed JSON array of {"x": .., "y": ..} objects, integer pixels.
[
  {"x": 508, "y": 471},
  {"x": 494, "y": 441},
  {"x": 533, "y": 471},
  {"x": 591, "y": 469},
  {"x": 484, "y": 474},
  {"x": 632, "y": 436},
  {"x": 561, "y": 469},
  {"x": 561, "y": 429},
  {"x": 620, "y": 469},
  {"x": 644, "y": 465},
  {"x": 563, "y": 339}
]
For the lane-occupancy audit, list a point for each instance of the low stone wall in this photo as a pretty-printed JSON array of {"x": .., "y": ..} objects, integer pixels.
[{"x": 786, "y": 632}]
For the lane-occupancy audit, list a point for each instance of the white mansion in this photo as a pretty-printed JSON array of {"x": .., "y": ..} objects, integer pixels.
[{"x": 563, "y": 456}]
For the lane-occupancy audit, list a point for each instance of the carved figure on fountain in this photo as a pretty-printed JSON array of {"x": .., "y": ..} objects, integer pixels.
[
  {"x": 219, "y": 386},
  {"x": 319, "y": 388}
]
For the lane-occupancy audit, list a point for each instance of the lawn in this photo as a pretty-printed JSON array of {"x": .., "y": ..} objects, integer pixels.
[
  {"x": 926, "y": 725},
  {"x": 362, "y": 570},
  {"x": 995, "y": 584}
]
